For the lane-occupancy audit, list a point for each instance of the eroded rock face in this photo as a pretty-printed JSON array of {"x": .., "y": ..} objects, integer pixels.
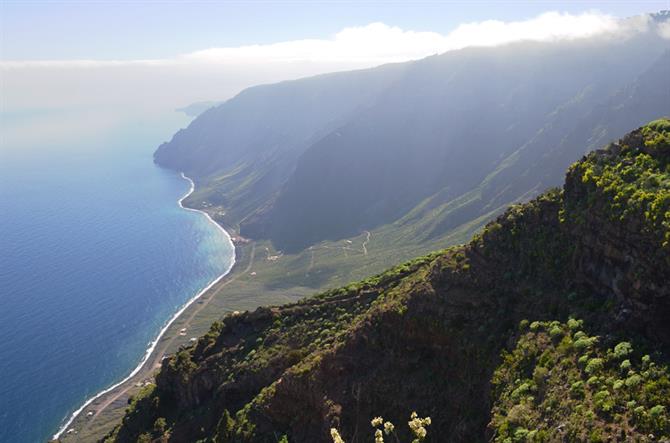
[{"x": 622, "y": 250}]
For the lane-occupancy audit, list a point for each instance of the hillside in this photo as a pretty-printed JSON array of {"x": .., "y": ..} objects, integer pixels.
[
  {"x": 551, "y": 324},
  {"x": 427, "y": 146},
  {"x": 459, "y": 124}
]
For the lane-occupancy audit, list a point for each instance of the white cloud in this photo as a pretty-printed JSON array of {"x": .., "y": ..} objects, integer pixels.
[
  {"x": 380, "y": 43},
  {"x": 220, "y": 73}
]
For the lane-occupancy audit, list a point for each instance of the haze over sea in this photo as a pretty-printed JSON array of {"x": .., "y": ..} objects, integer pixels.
[{"x": 95, "y": 257}]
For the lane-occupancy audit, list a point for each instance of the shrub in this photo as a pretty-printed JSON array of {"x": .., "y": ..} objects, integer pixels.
[
  {"x": 603, "y": 401},
  {"x": 600, "y": 389},
  {"x": 160, "y": 425},
  {"x": 633, "y": 381},
  {"x": 594, "y": 365},
  {"x": 583, "y": 342},
  {"x": 521, "y": 391},
  {"x": 593, "y": 381},
  {"x": 657, "y": 411},
  {"x": 574, "y": 324},
  {"x": 577, "y": 389},
  {"x": 623, "y": 350}
]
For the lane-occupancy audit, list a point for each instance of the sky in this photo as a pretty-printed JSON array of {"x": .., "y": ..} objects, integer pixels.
[
  {"x": 127, "y": 29},
  {"x": 61, "y": 60}
]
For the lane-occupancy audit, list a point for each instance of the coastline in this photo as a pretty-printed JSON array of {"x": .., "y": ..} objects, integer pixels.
[{"x": 152, "y": 345}]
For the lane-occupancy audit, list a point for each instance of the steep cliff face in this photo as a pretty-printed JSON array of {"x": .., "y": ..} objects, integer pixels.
[
  {"x": 428, "y": 335},
  {"x": 618, "y": 203}
]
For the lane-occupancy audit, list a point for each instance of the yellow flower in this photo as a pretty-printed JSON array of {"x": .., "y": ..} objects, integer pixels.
[
  {"x": 377, "y": 421},
  {"x": 336, "y": 436},
  {"x": 388, "y": 427},
  {"x": 379, "y": 437},
  {"x": 416, "y": 425}
]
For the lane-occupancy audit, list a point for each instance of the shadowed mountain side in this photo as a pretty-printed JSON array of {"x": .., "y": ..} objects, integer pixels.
[
  {"x": 579, "y": 126},
  {"x": 241, "y": 152},
  {"x": 446, "y": 126}
]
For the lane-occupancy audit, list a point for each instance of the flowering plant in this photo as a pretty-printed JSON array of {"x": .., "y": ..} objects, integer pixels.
[{"x": 416, "y": 424}]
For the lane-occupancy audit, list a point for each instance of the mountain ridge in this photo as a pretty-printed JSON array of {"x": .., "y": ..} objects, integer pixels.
[{"x": 271, "y": 161}]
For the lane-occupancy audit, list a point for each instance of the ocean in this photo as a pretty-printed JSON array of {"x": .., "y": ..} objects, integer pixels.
[{"x": 95, "y": 257}]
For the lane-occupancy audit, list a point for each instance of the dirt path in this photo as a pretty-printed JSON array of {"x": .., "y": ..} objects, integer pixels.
[
  {"x": 154, "y": 361},
  {"x": 345, "y": 249},
  {"x": 311, "y": 260},
  {"x": 365, "y": 243}
]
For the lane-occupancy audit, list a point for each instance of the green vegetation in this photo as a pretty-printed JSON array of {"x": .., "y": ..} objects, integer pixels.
[
  {"x": 318, "y": 159},
  {"x": 633, "y": 184},
  {"x": 529, "y": 235},
  {"x": 570, "y": 291},
  {"x": 271, "y": 341},
  {"x": 570, "y": 386}
]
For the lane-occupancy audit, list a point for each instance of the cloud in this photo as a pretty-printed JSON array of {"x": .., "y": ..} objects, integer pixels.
[
  {"x": 378, "y": 43},
  {"x": 220, "y": 73}
]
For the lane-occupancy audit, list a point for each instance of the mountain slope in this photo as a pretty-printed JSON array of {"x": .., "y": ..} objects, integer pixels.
[
  {"x": 426, "y": 146},
  {"x": 245, "y": 148},
  {"x": 428, "y": 335},
  {"x": 442, "y": 128},
  {"x": 578, "y": 127}
]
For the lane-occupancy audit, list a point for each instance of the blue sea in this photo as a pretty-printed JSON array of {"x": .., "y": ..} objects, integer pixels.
[{"x": 95, "y": 257}]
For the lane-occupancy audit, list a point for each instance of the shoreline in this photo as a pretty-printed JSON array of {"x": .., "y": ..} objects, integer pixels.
[{"x": 152, "y": 345}]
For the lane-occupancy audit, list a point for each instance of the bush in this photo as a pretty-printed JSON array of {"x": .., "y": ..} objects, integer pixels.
[
  {"x": 593, "y": 395},
  {"x": 574, "y": 324},
  {"x": 160, "y": 426},
  {"x": 623, "y": 350},
  {"x": 633, "y": 381},
  {"x": 594, "y": 365}
]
